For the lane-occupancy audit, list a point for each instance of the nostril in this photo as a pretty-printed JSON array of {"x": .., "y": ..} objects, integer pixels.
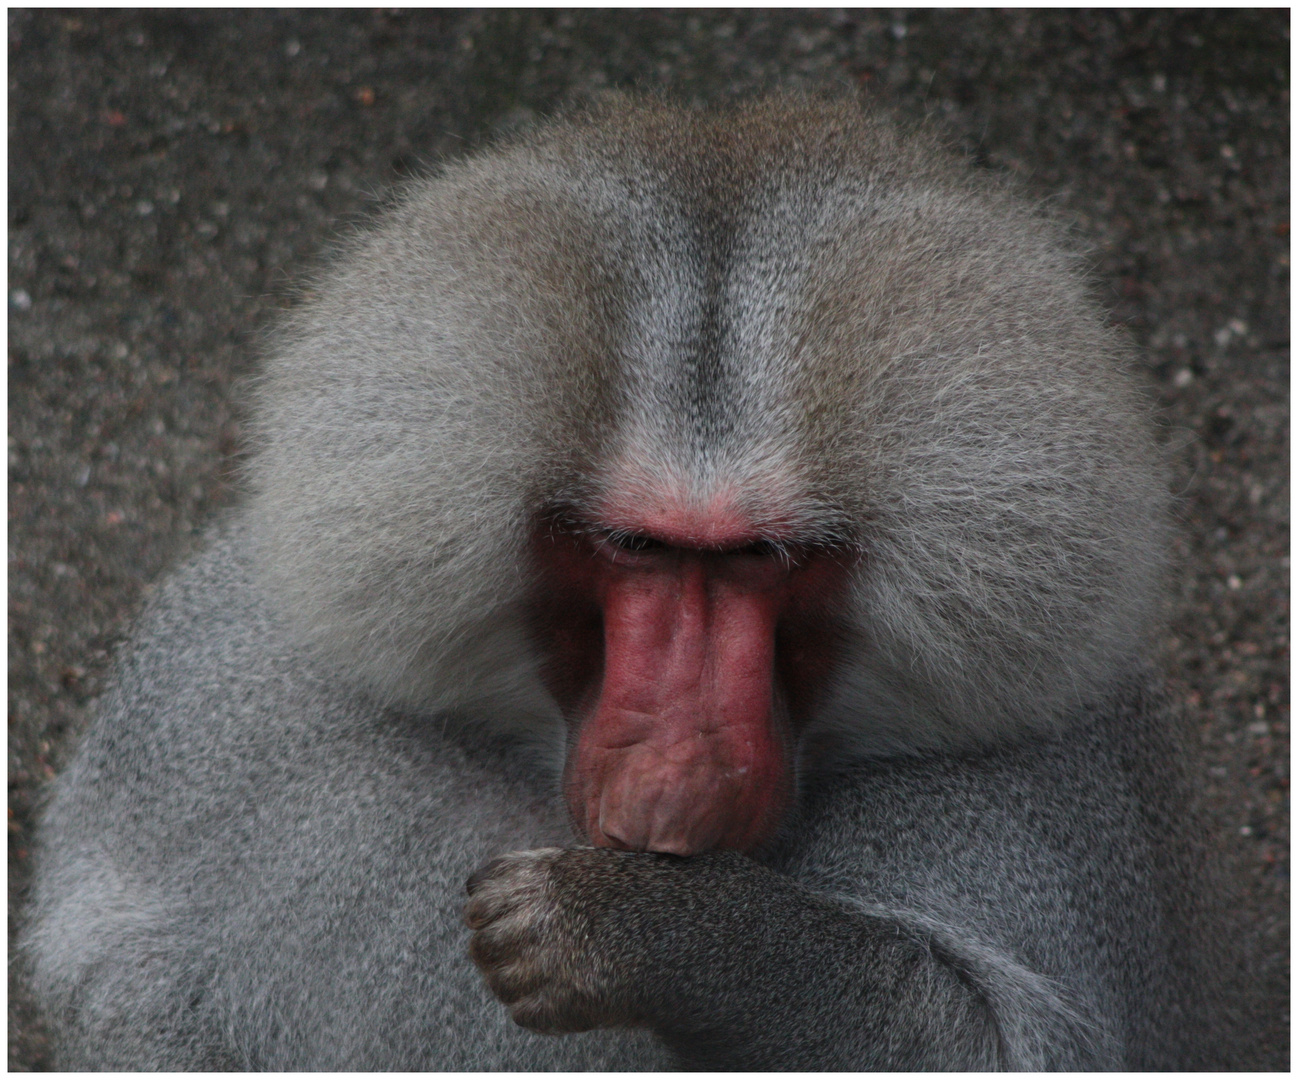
[{"x": 611, "y": 835}]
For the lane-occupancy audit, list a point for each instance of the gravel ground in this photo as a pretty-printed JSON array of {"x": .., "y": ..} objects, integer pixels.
[{"x": 172, "y": 176}]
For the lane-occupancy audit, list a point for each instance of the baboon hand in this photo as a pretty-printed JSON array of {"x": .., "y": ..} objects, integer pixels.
[{"x": 536, "y": 942}]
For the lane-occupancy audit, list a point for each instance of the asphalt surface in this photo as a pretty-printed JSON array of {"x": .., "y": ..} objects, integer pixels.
[{"x": 173, "y": 177}]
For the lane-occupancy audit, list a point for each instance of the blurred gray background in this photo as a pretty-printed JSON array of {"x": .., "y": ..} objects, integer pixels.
[{"x": 173, "y": 177}]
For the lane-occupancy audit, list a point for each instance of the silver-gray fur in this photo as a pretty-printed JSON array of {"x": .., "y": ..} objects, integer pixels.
[
  {"x": 770, "y": 298},
  {"x": 335, "y": 716}
]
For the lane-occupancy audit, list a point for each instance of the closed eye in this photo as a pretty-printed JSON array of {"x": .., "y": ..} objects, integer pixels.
[{"x": 635, "y": 542}]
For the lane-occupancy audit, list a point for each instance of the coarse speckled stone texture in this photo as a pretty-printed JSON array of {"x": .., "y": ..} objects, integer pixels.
[{"x": 174, "y": 178}]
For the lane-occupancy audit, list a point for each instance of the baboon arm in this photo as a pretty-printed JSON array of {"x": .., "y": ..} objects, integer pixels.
[{"x": 738, "y": 967}]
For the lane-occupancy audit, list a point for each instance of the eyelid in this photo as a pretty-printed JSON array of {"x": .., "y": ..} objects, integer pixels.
[
  {"x": 618, "y": 545},
  {"x": 638, "y": 543},
  {"x": 634, "y": 542}
]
